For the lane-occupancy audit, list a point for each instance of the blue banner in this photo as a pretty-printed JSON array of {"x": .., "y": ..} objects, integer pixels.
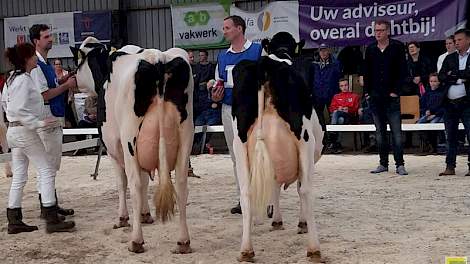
[{"x": 96, "y": 24}]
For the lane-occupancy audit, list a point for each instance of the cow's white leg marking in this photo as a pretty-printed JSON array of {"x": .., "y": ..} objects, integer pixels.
[
  {"x": 306, "y": 157},
  {"x": 136, "y": 185},
  {"x": 121, "y": 181},
  {"x": 243, "y": 172},
  {"x": 302, "y": 226},
  {"x": 277, "y": 217},
  {"x": 186, "y": 138},
  {"x": 146, "y": 218}
]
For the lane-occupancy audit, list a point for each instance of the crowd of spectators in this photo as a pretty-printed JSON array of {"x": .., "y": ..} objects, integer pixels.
[{"x": 335, "y": 103}]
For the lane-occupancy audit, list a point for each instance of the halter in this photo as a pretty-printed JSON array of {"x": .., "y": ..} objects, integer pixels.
[{"x": 98, "y": 48}]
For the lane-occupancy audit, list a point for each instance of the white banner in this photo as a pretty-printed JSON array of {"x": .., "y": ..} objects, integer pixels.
[
  {"x": 17, "y": 31},
  {"x": 199, "y": 25},
  {"x": 61, "y": 25},
  {"x": 274, "y": 18}
]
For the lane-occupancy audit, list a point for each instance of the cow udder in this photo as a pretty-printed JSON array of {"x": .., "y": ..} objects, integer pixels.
[
  {"x": 281, "y": 144},
  {"x": 148, "y": 139}
]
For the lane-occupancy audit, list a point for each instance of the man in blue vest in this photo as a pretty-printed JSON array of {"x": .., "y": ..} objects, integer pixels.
[
  {"x": 54, "y": 103},
  {"x": 240, "y": 49}
]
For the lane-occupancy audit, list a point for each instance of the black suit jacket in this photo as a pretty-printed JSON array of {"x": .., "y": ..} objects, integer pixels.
[{"x": 450, "y": 73}]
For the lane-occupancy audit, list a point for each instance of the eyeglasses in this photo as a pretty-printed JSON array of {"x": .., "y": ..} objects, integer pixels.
[{"x": 379, "y": 30}]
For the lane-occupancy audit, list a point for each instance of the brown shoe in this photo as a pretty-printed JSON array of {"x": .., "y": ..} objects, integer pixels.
[{"x": 448, "y": 172}]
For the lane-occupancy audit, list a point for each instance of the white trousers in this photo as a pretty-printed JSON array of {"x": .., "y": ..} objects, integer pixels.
[
  {"x": 228, "y": 133},
  {"x": 52, "y": 141},
  {"x": 26, "y": 146}
]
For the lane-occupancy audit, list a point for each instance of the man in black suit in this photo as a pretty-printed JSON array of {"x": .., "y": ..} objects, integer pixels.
[{"x": 455, "y": 76}]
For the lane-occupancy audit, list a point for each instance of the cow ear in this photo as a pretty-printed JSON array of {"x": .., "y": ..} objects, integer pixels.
[
  {"x": 265, "y": 44},
  {"x": 75, "y": 52},
  {"x": 300, "y": 45}
]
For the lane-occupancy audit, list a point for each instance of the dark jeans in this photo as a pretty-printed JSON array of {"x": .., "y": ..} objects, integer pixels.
[
  {"x": 454, "y": 113},
  {"x": 383, "y": 113},
  {"x": 430, "y": 137},
  {"x": 319, "y": 109},
  {"x": 338, "y": 118},
  {"x": 210, "y": 117}
]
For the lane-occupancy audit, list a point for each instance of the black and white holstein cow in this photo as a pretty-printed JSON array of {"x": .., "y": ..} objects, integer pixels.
[
  {"x": 148, "y": 127},
  {"x": 278, "y": 138}
]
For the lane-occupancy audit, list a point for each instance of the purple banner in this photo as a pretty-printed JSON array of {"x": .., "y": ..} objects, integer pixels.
[{"x": 348, "y": 22}]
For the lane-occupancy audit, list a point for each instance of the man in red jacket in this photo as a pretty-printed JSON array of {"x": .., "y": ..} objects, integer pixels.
[{"x": 343, "y": 109}]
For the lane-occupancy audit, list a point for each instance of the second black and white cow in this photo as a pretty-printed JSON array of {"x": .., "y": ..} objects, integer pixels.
[{"x": 278, "y": 138}]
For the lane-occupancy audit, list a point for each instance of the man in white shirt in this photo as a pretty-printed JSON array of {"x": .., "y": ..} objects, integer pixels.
[
  {"x": 53, "y": 94},
  {"x": 240, "y": 49},
  {"x": 450, "y": 47},
  {"x": 455, "y": 76}
]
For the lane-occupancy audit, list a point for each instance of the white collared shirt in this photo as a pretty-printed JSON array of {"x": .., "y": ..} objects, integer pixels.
[
  {"x": 41, "y": 85},
  {"x": 246, "y": 46},
  {"x": 458, "y": 90},
  {"x": 24, "y": 103}
]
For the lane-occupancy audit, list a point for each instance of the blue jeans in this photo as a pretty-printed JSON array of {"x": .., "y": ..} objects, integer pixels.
[
  {"x": 209, "y": 117},
  {"x": 454, "y": 113},
  {"x": 437, "y": 119},
  {"x": 430, "y": 137},
  {"x": 382, "y": 113},
  {"x": 338, "y": 118}
]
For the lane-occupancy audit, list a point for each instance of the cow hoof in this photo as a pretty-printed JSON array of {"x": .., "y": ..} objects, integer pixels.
[
  {"x": 277, "y": 226},
  {"x": 136, "y": 247},
  {"x": 246, "y": 256},
  {"x": 146, "y": 219},
  {"x": 183, "y": 248},
  {"x": 123, "y": 222},
  {"x": 314, "y": 256},
  {"x": 302, "y": 228}
]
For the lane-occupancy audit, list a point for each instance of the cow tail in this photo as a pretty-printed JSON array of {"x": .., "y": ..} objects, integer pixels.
[
  {"x": 165, "y": 195},
  {"x": 262, "y": 179}
]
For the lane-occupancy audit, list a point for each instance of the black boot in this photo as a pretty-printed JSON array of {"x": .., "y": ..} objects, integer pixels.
[
  {"x": 15, "y": 223},
  {"x": 54, "y": 223},
  {"x": 43, "y": 216},
  {"x": 61, "y": 210}
]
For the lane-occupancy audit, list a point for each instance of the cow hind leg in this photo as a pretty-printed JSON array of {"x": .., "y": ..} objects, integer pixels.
[
  {"x": 136, "y": 186},
  {"x": 137, "y": 239},
  {"x": 241, "y": 156},
  {"x": 181, "y": 177},
  {"x": 277, "y": 218},
  {"x": 302, "y": 226},
  {"x": 146, "y": 217},
  {"x": 121, "y": 181},
  {"x": 306, "y": 196}
]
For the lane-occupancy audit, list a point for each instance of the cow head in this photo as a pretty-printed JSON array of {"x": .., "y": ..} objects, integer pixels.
[
  {"x": 283, "y": 45},
  {"x": 91, "y": 60}
]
